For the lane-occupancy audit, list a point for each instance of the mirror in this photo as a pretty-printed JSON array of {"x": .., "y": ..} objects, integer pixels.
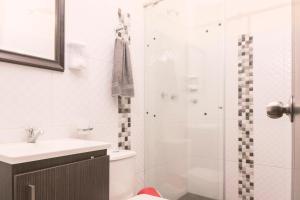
[{"x": 32, "y": 33}]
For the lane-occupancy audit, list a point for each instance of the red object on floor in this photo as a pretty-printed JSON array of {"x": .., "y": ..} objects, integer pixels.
[{"x": 149, "y": 191}]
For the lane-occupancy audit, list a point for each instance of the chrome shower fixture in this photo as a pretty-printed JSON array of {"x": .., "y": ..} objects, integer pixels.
[{"x": 152, "y": 3}]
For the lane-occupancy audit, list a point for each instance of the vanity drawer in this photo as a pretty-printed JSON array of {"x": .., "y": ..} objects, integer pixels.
[
  {"x": 82, "y": 180},
  {"x": 55, "y": 162}
]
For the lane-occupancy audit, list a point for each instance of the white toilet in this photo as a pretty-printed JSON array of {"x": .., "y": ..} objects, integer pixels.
[{"x": 122, "y": 177}]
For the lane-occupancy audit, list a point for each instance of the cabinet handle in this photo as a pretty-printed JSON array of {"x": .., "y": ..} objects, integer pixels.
[{"x": 31, "y": 192}]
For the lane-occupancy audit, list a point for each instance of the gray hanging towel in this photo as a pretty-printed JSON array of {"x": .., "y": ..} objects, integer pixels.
[{"x": 122, "y": 82}]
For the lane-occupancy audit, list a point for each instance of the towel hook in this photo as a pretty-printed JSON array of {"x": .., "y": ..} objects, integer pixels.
[{"x": 123, "y": 32}]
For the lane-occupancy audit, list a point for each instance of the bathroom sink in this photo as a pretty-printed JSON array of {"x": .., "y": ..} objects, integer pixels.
[{"x": 15, "y": 153}]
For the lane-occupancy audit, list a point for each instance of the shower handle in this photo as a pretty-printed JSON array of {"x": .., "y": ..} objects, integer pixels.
[{"x": 277, "y": 109}]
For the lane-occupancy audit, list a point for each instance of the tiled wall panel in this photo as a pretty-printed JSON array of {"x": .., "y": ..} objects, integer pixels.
[
  {"x": 245, "y": 122},
  {"x": 125, "y": 123},
  {"x": 270, "y": 27}
]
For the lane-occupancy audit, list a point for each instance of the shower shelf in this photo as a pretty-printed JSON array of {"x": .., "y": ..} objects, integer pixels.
[
  {"x": 191, "y": 77},
  {"x": 193, "y": 88}
]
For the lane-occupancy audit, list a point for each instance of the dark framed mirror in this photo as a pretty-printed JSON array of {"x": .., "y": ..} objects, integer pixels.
[{"x": 32, "y": 33}]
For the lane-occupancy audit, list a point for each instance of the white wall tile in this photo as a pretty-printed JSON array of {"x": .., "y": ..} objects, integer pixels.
[
  {"x": 237, "y": 8},
  {"x": 140, "y": 181},
  {"x": 270, "y": 24},
  {"x": 272, "y": 183},
  {"x": 231, "y": 140},
  {"x": 272, "y": 82},
  {"x": 137, "y": 139},
  {"x": 231, "y": 180},
  {"x": 25, "y": 96}
]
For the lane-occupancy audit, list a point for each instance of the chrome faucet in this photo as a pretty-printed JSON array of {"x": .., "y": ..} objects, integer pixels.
[{"x": 33, "y": 134}]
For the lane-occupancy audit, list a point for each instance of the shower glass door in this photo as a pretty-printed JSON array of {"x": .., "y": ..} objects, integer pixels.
[
  {"x": 211, "y": 67},
  {"x": 184, "y": 65}
]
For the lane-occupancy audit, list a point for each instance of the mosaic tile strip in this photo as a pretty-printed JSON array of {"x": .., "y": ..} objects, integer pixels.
[
  {"x": 124, "y": 106},
  {"x": 245, "y": 118}
]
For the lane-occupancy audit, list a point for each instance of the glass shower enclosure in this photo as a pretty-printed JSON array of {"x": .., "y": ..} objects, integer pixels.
[
  {"x": 184, "y": 59},
  {"x": 211, "y": 67}
]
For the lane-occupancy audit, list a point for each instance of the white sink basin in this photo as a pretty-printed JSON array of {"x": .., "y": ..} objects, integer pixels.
[{"x": 15, "y": 153}]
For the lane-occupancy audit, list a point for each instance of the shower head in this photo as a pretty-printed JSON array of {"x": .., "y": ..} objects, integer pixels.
[{"x": 152, "y": 3}]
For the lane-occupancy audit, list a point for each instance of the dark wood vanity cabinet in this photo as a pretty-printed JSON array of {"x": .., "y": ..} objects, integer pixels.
[{"x": 78, "y": 177}]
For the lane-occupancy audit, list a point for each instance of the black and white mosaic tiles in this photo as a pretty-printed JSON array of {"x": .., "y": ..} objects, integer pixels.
[
  {"x": 245, "y": 118},
  {"x": 124, "y": 106}
]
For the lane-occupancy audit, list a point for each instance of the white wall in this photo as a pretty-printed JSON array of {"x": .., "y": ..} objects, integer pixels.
[
  {"x": 269, "y": 22},
  {"x": 61, "y": 102}
]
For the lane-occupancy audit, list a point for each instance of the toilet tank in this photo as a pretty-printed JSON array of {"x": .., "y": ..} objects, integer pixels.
[{"x": 122, "y": 174}]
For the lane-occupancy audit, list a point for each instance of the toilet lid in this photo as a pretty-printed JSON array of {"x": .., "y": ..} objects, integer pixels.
[{"x": 146, "y": 197}]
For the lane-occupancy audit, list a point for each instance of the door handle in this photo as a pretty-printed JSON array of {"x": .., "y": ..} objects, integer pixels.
[
  {"x": 31, "y": 192},
  {"x": 277, "y": 109}
]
